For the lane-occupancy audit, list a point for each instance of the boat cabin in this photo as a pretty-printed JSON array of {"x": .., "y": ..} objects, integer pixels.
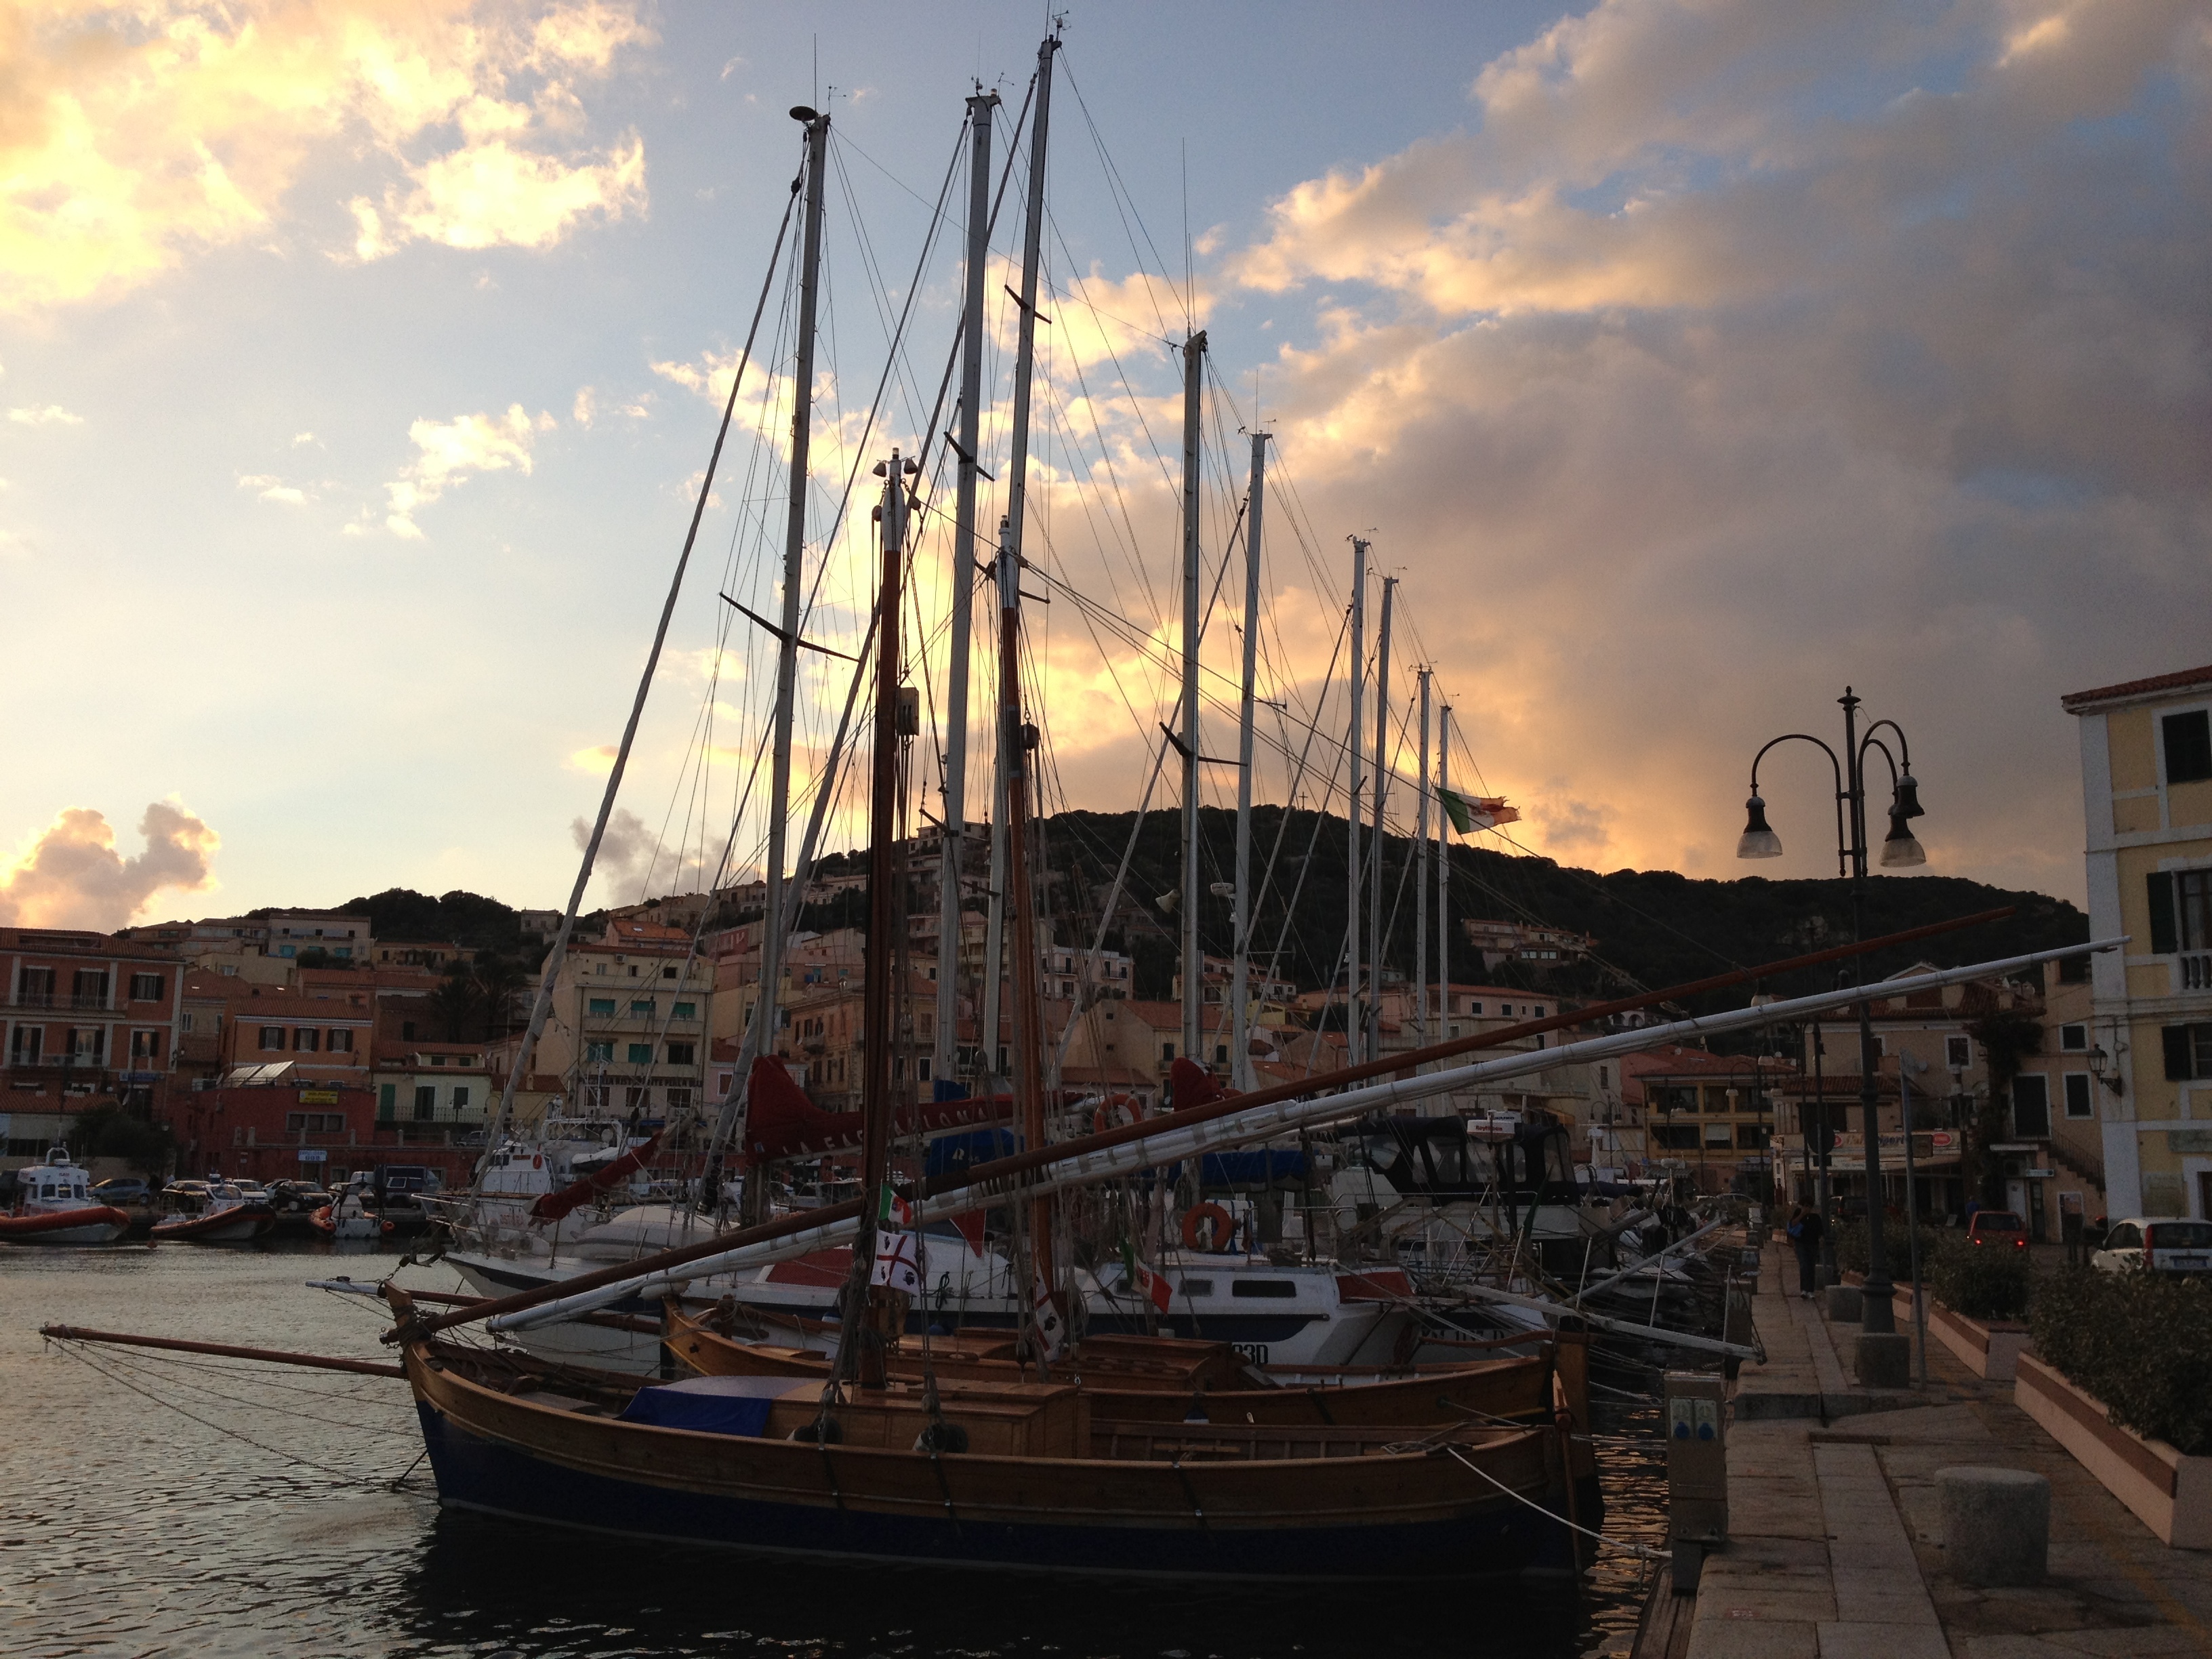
[{"x": 55, "y": 1185}]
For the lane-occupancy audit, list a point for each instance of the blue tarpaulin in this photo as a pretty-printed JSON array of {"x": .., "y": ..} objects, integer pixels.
[
  {"x": 711, "y": 1405},
  {"x": 958, "y": 1151}
]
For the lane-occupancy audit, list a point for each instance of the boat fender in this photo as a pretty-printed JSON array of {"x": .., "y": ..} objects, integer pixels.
[
  {"x": 1207, "y": 1227},
  {"x": 823, "y": 1432},
  {"x": 937, "y": 1438}
]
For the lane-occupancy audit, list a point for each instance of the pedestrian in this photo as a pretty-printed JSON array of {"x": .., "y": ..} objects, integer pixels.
[{"x": 1804, "y": 1231}]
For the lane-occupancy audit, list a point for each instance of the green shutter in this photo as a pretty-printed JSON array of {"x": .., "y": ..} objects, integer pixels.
[
  {"x": 2162, "y": 940},
  {"x": 2178, "y": 1057}
]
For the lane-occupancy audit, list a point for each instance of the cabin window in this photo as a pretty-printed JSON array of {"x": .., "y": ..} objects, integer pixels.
[
  {"x": 1275, "y": 1287},
  {"x": 1197, "y": 1287}
]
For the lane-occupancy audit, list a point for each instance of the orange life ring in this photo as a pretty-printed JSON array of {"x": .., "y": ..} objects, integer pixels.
[
  {"x": 1215, "y": 1222},
  {"x": 1113, "y": 1112}
]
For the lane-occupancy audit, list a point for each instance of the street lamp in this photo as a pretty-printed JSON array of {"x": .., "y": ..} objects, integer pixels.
[{"x": 1900, "y": 849}]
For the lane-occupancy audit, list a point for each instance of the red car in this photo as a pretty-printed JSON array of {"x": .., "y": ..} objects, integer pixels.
[{"x": 1999, "y": 1227}]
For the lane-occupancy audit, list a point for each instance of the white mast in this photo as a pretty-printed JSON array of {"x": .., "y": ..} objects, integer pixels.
[
  {"x": 1240, "y": 974},
  {"x": 1444, "y": 870},
  {"x": 1421, "y": 879},
  {"x": 1194, "y": 960},
  {"x": 1382, "y": 789},
  {"x": 1023, "y": 954},
  {"x": 953, "y": 837},
  {"x": 794, "y": 545},
  {"x": 1351, "y": 1025}
]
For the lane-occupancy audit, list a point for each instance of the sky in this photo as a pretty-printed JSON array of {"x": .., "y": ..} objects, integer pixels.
[{"x": 1684, "y": 360}]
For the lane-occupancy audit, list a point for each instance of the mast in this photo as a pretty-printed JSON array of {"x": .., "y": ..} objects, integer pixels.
[
  {"x": 1018, "y": 739},
  {"x": 953, "y": 833},
  {"x": 1382, "y": 789},
  {"x": 1023, "y": 957},
  {"x": 794, "y": 544},
  {"x": 1421, "y": 876},
  {"x": 1240, "y": 976},
  {"x": 1444, "y": 870},
  {"x": 1352, "y": 1026},
  {"x": 1193, "y": 962},
  {"x": 879, "y": 992}
]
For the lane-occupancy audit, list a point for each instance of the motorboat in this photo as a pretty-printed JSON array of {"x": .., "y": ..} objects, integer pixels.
[
  {"x": 55, "y": 1206},
  {"x": 226, "y": 1216}
]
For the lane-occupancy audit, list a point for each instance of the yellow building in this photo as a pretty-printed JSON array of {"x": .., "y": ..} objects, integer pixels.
[{"x": 2147, "y": 796}]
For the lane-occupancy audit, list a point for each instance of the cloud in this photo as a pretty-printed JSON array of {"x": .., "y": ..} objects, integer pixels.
[
  {"x": 72, "y": 876},
  {"x": 272, "y": 488},
  {"x": 51, "y": 415},
  {"x": 581, "y": 411},
  {"x": 450, "y": 452},
  {"x": 133, "y": 135},
  {"x": 633, "y": 861},
  {"x": 599, "y": 758}
]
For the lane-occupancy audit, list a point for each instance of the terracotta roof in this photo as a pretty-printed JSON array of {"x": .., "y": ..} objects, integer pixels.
[{"x": 2074, "y": 703}]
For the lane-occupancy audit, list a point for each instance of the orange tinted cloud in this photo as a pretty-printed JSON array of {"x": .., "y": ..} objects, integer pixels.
[{"x": 72, "y": 876}]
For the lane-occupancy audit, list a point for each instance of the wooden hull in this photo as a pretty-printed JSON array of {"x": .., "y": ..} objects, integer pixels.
[
  {"x": 98, "y": 1225},
  {"x": 240, "y": 1226},
  {"x": 1368, "y": 1514},
  {"x": 1518, "y": 1389}
]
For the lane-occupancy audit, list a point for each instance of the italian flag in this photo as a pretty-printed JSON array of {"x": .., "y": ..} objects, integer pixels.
[
  {"x": 1151, "y": 1286},
  {"x": 894, "y": 1210},
  {"x": 1469, "y": 813}
]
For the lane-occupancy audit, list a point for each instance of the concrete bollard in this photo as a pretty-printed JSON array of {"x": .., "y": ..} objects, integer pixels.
[
  {"x": 1882, "y": 1359},
  {"x": 1996, "y": 1524},
  {"x": 1823, "y": 1276},
  {"x": 1845, "y": 1305}
]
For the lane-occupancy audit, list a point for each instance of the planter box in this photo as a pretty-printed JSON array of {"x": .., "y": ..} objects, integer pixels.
[
  {"x": 1989, "y": 1348},
  {"x": 2170, "y": 1493}
]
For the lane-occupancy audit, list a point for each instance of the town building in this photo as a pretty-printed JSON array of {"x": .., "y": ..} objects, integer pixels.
[
  {"x": 2147, "y": 804},
  {"x": 275, "y": 1038},
  {"x": 1525, "y": 942},
  {"x": 629, "y": 1023},
  {"x": 1710, "y": 1116},
  {"x": 91, "y": 1019}
]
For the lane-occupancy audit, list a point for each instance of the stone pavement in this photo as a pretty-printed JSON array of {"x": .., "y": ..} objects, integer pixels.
[{"x": 1836, "y": 1545}]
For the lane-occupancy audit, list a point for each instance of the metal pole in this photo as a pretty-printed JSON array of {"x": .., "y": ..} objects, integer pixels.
[
  {"x": 1374, "y": 941},
  {"x": 1023, "y": 983},
  {"x": 1878, "y": 1318},
  {"x": 794, "y": 545},
  {"x": 1193, "y": 962},
  {"x": 1913, "y": 1228},
  {"x": 1421, "y": 878},
  {"x": 1240, "y": 971},
  {"x": 1444, "y": 874},
  {"x": 952, "y": 838},
  {"x": 1352, "y": 1022}
]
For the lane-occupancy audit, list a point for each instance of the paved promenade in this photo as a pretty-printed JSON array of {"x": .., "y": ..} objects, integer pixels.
[{"x": 1835, "y": 1549}]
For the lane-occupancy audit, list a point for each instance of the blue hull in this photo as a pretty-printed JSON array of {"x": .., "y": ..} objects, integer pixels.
[{"x": 478, "y": 1473}]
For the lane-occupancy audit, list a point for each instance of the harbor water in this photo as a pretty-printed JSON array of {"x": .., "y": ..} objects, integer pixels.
[{"x": 179, "y": 1505}]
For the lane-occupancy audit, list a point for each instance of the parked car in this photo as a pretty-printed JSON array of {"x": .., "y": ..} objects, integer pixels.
[
  {"x": 2000, "y": 1228},
  {"x": 122, "y": 1189},
  {"x": 2164, "y": 1245}
]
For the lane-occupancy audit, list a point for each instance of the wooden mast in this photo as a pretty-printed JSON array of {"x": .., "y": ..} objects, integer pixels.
[
  {"x": 879, "y": 992},
  {"x": 1017, "y": 741}
]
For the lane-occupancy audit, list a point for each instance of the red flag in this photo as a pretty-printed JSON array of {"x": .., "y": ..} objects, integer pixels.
[{"x": 970, "y": 1227}]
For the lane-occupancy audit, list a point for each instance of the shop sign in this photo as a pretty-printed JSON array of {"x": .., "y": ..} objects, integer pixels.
[{"x": 319, "y": 1096}]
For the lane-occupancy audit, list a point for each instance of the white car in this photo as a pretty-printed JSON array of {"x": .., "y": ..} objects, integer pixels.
[{"x": 2164, "y": 1245}]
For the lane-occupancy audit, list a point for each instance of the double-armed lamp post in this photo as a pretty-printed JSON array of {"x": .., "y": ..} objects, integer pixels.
[{"x": 1880, "y": 1363}]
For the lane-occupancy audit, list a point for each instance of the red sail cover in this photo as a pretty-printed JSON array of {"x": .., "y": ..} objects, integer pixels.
[
  {"x": 781, "y": 1121},
  {"x": 553, "y": 1205},
  {"x": 1192, "y": 1085}
]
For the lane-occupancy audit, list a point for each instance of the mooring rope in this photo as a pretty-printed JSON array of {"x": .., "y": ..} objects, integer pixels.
[{"x": 1643, "y": 1550}]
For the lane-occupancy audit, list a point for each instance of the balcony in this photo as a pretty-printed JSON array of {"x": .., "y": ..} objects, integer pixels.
[{"x": 2195, "y": 970}]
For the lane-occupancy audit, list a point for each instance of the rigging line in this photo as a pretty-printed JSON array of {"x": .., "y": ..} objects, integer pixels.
[
  {"x": 878, "y": 289},
  {"x": 1121, "y": 499},
  {"x": 1118, "y": 192},
  {"x": 152, "y": 1374},
  {"x": 1136, "y": 403},
  {"x": 1267, "y": 875}
]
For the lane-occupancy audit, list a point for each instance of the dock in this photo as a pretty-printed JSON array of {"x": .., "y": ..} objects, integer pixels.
[{"x": 1835, "y": 1546}]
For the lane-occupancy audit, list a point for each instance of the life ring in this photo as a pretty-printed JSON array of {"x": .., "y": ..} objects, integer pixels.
[
  {"x": 1113, "y": 1112},
  {"x": 1207, "y": 1227}
]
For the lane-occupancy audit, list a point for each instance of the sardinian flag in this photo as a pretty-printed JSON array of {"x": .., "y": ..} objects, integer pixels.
[
  {"x": 897, "y": 1267},
  {"x": 1052, "y": 1331},
  {"x": 1152, "y": 1286}
]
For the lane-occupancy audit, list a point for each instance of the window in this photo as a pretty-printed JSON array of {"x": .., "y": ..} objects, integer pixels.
[
  {"x": 1680, "y": 1139},
  {"x": 23, "y": 1046},
  {"x": 1958, "y": 1051},
  {"x": 145, "y": 1045},
  {"x": 2192, "y": 904},
  {"x": 637, "y": 1100},
  {"x": 407, "y": 1030},
  {"x": 603, "y": 1006},
  {"x": 641, "y": 1004},
  {"x": 147, "y": 987},
  {"x": 686, "y": 1011},
  {"x": 921, "y": 1068},
  {"x": 1221, "y": 1053},
  {"x": 89, "y": 989},
  {"x": 641, "y": 1054},
  {"x": 341, "y": 1040},
  {"x": 682, "y": 1054},
  {"x": 34, "y": 988},
  {"x": 88, "y": 1042},
  {"x": 2188, "y": 747},
  {"x": 668, "y": 973},
  {"x": 598, "y": 1052},
  {"x": 1719, "y": 1135},
  {"x": 307, "y": 1040},
  {"x": 1197, "y": 1287},
  {"x": 294, "y": 1122},
  {"x": 680, "y": 1100},
  {"x": 426, "y": 1101},
  {"x": 460, "y": 1096},
  {"x": 2074, "y": 1039},
  {"x": 1537, "y": 1008},
  {"x": 1751, "y": 1137},
  {"x": 2031, "y": 1106},
  {"x": 2188, "y": 1052},
  {"x": 387, "y": 1095},
  {"x": 1279, "y": 1288},
  {"x": 272, "y": 1036},
  {"x": 1167, "y": 1052},
  {"x": 2078, "y": 1095},
  {"x": 1474, "y": 1007}
]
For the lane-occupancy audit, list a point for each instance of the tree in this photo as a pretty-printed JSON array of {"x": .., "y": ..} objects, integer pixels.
[
  {"x": 2007, "y": 1038},
  {"x": 110, "y": 1131}
]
